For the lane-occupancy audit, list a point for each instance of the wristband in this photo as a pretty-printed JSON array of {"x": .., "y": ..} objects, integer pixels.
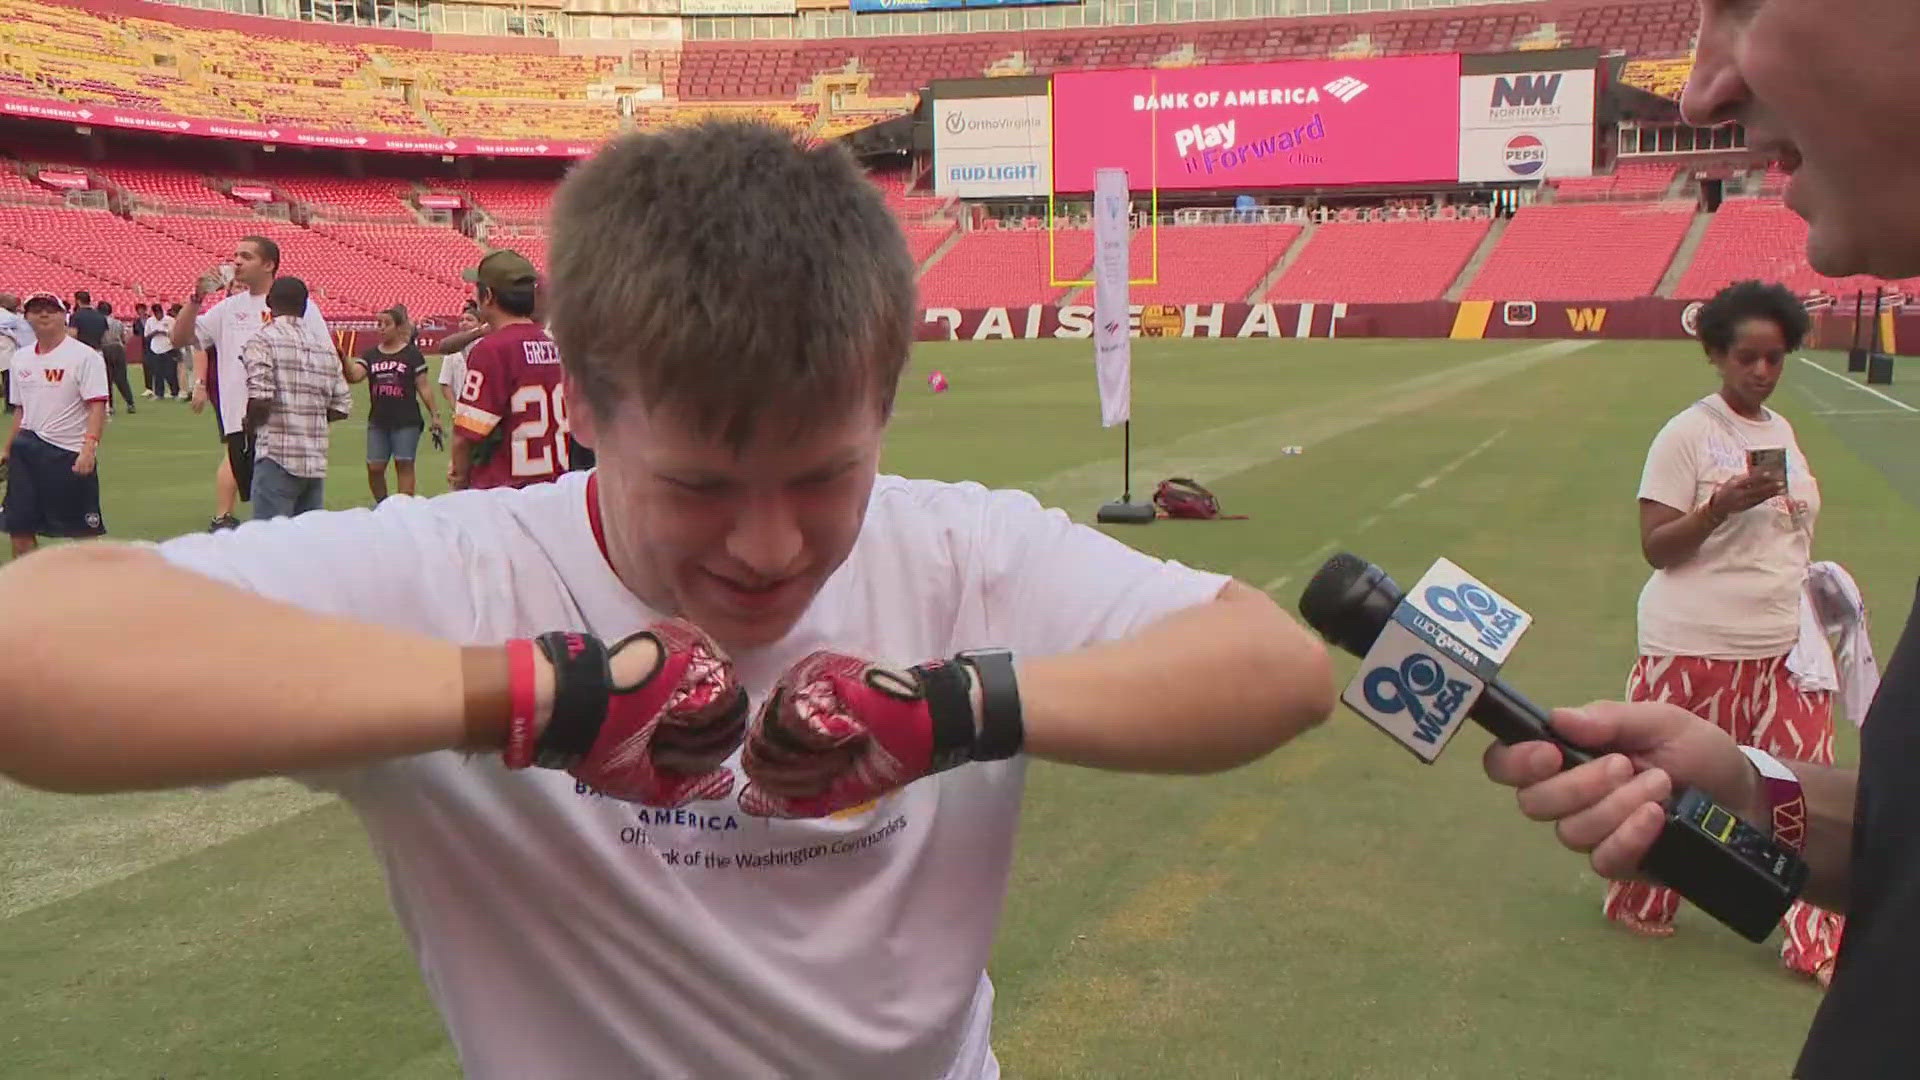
[
  {"x": 582, "y": 686},
  {"x": 948, "y": 691},
  {"x": 1002, "y": 730},
  {"x": 1786, "y": 799},
  {"x": 521, "y": 704}
]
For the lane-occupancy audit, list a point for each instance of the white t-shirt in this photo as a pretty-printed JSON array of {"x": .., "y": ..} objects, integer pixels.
[
  {"x": 16, "y": 328},
  {"x": 228, "y": 326},
  {"x": 160, "y": 335},
  {"x": 564, "y": 934},
  {"x": 52, "y": 390},
  {"x": 1738, "y": 598},
  {"x": 453, "y": 371}
]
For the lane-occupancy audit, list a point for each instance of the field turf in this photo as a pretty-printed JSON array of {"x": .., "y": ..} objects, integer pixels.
[{"x": 1336, "y": 910}]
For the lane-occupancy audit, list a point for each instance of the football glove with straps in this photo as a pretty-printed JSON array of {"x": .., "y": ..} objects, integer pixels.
[
  {"x": 650, "y": 720},
  {"x": 839, "y": 731}
]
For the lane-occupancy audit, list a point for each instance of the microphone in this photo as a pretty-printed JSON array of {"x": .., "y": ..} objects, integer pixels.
[
  {"x": 1351, "y": 600},
  {"x": 1414, "y": 678}
]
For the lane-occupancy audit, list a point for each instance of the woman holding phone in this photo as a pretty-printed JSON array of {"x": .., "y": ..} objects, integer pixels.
[{"x": 1727, "y": 508}]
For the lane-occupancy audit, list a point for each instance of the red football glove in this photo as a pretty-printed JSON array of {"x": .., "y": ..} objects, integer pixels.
[
  {"x": 651, "y": 720},
  {"x": 838, "y": 732}
]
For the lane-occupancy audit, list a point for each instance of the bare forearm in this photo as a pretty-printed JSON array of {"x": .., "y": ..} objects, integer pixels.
[
  {"x": 261, "y": 689},
  {"x": 460, "y": 463},
  {"x": 96, "y": 421},
  {"x": 182, "y": 332},
  {"x": 1205, "y": 689},
  {"x": 1678, "y": 540},
  {"x": 460, "y": 339},
  {"x": 1829, "y": 848}
]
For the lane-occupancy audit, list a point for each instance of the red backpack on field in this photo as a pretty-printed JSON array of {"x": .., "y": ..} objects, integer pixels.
[{"x": 1182, "y": 497}]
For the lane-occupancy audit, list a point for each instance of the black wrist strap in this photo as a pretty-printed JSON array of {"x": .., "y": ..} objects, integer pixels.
[
  {"x": 1002, "y": 727},
  {"x": 582, "y": 684},
  {"x": 948, "y": 690}
]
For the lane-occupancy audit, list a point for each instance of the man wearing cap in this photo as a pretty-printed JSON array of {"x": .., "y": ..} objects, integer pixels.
[
  {"x": 510, "y": 415},
  {"x": 59, "y": 390}
]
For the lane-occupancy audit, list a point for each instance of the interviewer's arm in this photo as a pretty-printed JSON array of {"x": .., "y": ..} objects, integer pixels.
[
  {"x": 1830, "y": 794},
  {"x": 280, "y": 690},
  {"x": 1204, "y": 689}
]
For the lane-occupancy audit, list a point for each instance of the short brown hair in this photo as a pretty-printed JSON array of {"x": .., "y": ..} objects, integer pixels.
[
  {"x": 269, "y": 251},
  {"x": 731, "y": 270}
]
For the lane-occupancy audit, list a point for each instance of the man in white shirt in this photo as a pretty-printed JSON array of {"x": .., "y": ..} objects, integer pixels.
[
  {"x": 453, "y": 361},
  {"x": 226, "y": 327},
  {"x": 15, "y": 334},
  {"x": 604, "y": 868},
  {"x": 59, "y": 390}
]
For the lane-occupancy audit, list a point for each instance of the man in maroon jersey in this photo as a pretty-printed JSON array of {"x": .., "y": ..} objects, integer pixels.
[{"x": 510, "y": 419}]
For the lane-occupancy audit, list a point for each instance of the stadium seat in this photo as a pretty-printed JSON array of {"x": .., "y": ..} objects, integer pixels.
[
  {"x": 1380, "y": 262},
  {"x": 1761, "y": 238},
  {"x": 1583, "y": 251},
  {"x": 994, "y": 266}
]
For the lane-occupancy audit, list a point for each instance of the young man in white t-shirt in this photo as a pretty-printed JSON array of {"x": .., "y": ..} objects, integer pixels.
[
  {"x": 226, "y": 327},
  {"x": 538, "y": 698},
  {"x": 453, "y": 362},
  {"x": 59, "y": 391}
]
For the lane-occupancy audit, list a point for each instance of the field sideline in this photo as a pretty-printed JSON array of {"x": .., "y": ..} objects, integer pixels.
[{"x": 1336, "y": 910}]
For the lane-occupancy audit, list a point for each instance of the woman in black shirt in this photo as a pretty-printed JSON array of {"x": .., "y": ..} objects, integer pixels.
[{"x": 396, "y": 374}]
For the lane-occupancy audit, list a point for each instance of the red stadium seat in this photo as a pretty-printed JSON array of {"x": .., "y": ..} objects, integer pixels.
[
  {"x": 1761, "y": 238},
  {"x": 1380, "y": 262},
  {"x": 1584, "y": 251}
]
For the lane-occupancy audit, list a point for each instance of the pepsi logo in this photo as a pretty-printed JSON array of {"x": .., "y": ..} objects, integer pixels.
[{"x": 1526, "y": 155}]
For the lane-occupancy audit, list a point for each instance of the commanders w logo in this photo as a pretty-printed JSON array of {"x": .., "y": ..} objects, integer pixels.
[
  {"x": 55, "y": 374},
  {"x": 1587, "y": 320}
]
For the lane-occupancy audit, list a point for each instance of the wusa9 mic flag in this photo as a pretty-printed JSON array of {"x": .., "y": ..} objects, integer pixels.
[
  {"x": 1112, "y": 345},
  {"x": 1311, "y": 123}
]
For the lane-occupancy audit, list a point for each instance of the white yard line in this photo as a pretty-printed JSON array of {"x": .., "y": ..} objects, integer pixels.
[
  {"x": 1368, "y": 522},
  {"x": 1894, "y": 401}
]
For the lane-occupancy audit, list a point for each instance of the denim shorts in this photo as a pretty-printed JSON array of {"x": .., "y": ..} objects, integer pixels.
[{"x": 398, "y": 444}]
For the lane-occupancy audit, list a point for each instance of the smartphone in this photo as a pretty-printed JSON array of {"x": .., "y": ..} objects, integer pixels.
[{"x": 1768, "y": 459}]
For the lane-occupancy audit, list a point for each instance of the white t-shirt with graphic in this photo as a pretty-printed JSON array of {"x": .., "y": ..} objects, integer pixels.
[
  {"x": 52, "y": 390},
  {"x": 564, "y": 934},
  {"x": 1738, "y": 598},
  {"x": 227, "y": 326}
]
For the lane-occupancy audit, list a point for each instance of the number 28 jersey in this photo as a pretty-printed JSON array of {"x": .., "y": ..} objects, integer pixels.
[{"x": 513, "y": 408}]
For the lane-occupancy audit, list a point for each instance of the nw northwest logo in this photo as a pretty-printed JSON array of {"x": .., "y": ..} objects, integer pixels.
[{"x": 1525, "y": 91}]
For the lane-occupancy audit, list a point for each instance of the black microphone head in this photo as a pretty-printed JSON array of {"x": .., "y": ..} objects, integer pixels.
[{"x": 1349, "y": 601}]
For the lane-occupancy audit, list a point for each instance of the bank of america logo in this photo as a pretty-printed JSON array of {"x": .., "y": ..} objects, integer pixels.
[{"x": 1346, "y": 88}]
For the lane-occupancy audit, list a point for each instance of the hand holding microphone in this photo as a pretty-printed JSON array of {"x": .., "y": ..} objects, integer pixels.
[
  {"x": 1430, "y": 661},
  {"x": 1610, "y": 809}
]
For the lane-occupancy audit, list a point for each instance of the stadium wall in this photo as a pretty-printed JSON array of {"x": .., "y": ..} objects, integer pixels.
[{"x": 1626, "y": 320}]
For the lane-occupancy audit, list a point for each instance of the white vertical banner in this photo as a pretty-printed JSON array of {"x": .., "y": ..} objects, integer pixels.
[{"x": 1112, "y": 344}]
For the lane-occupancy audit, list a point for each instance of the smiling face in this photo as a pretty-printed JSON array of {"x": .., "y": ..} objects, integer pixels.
[
  {"x": 739, "y": 541},
  {"x": 1830, "y": 89}
]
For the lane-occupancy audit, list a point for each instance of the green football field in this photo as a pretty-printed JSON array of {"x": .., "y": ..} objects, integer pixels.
[{"x": 1336, "y": 910}]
